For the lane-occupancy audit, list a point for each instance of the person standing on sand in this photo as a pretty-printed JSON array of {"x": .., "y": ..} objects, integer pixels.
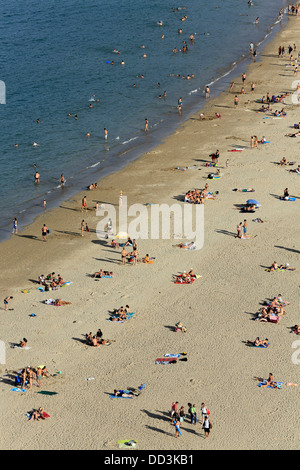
[
  {"x": 193, "y": 414},
  {"x": 82, "y": 227},
  {"x": 83, "y": 204},
  {"x": 123, "y": 255},
  {"x": 176, "y": 423},
  {"x": 206, "y": 426},
  {"x": 236, "y": 101},
  {"x": 44, "y": 232},
  {"x": 245, "y": 227},
  {"x": 239, "y": 230}
]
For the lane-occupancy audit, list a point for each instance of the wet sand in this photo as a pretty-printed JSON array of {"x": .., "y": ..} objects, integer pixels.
[{"x": 217, "y": 309}]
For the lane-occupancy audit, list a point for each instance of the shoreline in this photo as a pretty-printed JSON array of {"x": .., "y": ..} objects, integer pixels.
[
  {"x": 137, "y": 151},
  {"x": 216, "y": 309}
]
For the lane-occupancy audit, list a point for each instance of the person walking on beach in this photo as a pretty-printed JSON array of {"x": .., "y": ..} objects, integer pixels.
[
  {"x": 243, "y": 78},
  {"x": 176, "y": 423},
  {"x": 236, "y": 101},
  {"x": 15, "y": 226},
  {"x": 83, "y": 204},
  {"x": 6, "y": 300},
  {"x": 82, "y": 227},
  {"x": 206, "y": 426},
  {"x": 44, "y": 232}
]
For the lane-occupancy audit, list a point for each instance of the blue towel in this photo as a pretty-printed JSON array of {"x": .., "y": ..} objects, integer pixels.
[{"x": 279, "y": 384}]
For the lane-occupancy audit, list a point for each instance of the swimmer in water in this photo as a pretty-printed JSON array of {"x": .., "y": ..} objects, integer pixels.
[{"x": 37, "y": 177}]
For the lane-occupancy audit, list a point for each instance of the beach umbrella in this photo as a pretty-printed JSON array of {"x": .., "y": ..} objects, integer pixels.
[{"x": 253, "y": 201}]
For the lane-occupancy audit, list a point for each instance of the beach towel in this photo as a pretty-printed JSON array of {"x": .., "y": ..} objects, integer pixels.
[
  {"x": 288, "y": 199},
  {"x": 121, "y": 391},
  {"x": 17, "y": 389},
  {"x": 185, "y": 282},
  {"x": 279, "y": 385},
  {"x": 128, "y": 316},
  {"x": 260, "y": 346},
  {"x": 166, "y": 360}
]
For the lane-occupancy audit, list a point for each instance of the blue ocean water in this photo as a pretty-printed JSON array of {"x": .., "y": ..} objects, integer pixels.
[{"x": 56, "y": 60}]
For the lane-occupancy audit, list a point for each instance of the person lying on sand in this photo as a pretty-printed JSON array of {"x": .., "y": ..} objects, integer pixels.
[
  {"x": 286, "y": 266},
  {"x": 258, "y": 342},
  {"x": 61, "y": 302},
  {"x": 246, "y": 190},
  {"x": 125, "y": 393},
  {"x": 186, "y": 246},
  {"x": 269, "y": 382},
  {"x": 248, "y": 208},
  {"x": 101, "y": 273},
  {"x": 293, "y": 134},
  {"x": 296, "y": 170},
  {"x": 185, "y": 277}
]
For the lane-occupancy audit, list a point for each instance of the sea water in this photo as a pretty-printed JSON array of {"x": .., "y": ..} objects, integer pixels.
[{"x": 60, "y": 60}]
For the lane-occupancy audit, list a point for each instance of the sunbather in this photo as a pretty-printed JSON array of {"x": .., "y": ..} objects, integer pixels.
[
  {"x": 61, "y": 302},
  {"x": 37, "y": 414},
  {"x": 296, "y": 329},
  {"x": 179, "y": 327},
  {"x": 23, "y": 343},
  {"x": 258, "y": 342}
]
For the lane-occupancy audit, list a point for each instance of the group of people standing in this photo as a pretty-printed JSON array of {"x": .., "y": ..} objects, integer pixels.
[{"x": 178, "y": 416}]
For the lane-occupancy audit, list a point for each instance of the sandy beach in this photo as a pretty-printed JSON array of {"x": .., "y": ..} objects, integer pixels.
[{"x": 218, "y": 309}]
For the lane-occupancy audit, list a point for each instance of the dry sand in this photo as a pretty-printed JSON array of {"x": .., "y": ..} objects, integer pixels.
[{"x": 217, "y": 309}]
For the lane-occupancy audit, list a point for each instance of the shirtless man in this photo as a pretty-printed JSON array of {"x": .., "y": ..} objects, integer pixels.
[
  {"x": 37, "y": 177},
  {"x": 123, "y": 255},
  {"x": 83, "y": 204}
]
